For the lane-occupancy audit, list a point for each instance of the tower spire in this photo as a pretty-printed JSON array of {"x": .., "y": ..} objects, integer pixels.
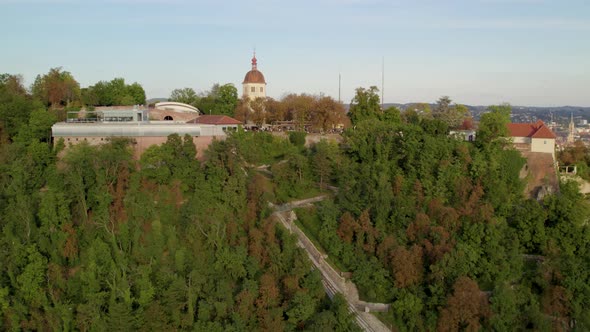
[
  {"x": 254, "y": 61},
  {"x": 572, "y": 129}
]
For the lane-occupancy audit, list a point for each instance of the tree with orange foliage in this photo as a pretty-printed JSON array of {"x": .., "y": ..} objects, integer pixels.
[
  {"x": 407, "y": 265},
  {"x": 347, "y": 227},
  {"x": 467, "y": 308},
  {"x": 328, "y": 114},
  {"x": 57, "y": 88}
]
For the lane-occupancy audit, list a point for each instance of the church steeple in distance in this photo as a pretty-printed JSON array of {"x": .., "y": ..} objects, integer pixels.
[{"x": 572, "y": 129}]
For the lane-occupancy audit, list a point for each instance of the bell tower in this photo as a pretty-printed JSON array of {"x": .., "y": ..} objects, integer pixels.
[{"x": 254, "y": 84}]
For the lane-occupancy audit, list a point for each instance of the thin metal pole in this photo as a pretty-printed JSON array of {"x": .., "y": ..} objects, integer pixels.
[
  {"x": 382, "y": 79},
  {"x": 339, "y": 86}
]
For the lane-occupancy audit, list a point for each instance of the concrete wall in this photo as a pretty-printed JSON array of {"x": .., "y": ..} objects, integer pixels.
[
  {"x": 375, "y": 307},
  {"x": 545, "y": 145},
  {"x": 525, "y": 140},
  {"x": 142, "y": 143}
]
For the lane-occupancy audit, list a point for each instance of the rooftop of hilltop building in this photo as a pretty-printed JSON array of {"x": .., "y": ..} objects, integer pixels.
[
  {"x": 531, "y": 130},
  {"x": 216, "y": 120}
]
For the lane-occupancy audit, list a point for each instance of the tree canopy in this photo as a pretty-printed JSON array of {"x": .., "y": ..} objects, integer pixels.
[
  {"x": 93, "y": 239},
  {"x": 113, "y": 93},
  {"x": 57, "y": 88}
]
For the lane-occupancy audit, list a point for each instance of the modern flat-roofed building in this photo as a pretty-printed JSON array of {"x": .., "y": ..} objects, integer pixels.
[{"x": 98, "y": 127}]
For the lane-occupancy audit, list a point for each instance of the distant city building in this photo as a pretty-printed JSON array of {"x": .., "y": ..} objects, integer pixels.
[
  {"x": 466, "y": 135},
  {"x": 254, "y": 85},
  {"x": 533, "y": 137}
]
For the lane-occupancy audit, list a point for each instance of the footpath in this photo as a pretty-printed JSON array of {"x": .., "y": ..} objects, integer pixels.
[{"x": 332, "y": 279}]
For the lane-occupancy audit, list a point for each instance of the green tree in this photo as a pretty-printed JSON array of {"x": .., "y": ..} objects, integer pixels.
[
  {"x": 114, "y": 92},
  {"x": 220, "y": 99},
  {"x": 364, "y": 105},
  {"x": 136, "y": 91},
  {"x": 407, "y": 310},
  {"x": 184, "y": 95},
  {"x": 324, "y": 159},
  {"x": 493, "y": 124},
  {"x": 15, "y": 106},
  {"x": 302, "y": 308},
  {"x": 452, "y": 115},
  {"x": 422, "y": 109},
  {"x": 226, "y": 99},
  {"x": 297, "y": 138}
]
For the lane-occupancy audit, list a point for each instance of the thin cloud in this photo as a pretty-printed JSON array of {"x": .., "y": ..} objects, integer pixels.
[{"x": 515, "y": 24}]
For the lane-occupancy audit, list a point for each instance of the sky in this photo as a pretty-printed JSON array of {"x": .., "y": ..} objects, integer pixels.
[{"x": 478, "y": 52}]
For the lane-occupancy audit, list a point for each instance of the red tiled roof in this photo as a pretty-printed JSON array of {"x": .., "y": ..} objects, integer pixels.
[
  {"x": 533, "y": 130},
  {"x": 216, "y": 120},
  {"x": 254, "y": 76},
  {"x": 544, "y": 132},
  {"x": 521, "y": 129}
]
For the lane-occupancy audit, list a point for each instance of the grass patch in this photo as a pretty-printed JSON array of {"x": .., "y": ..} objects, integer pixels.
[
  {"x": 309, "y": 223},
  {"x": 287, "y": 194}
]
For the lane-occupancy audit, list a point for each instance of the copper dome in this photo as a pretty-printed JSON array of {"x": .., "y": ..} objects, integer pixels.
[{"x": 254, "y": 76}]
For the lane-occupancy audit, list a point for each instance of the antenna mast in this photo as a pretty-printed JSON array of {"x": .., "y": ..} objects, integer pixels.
[
  {"x": 339, "y": 86},
  {"x": 382, "y": 80}
]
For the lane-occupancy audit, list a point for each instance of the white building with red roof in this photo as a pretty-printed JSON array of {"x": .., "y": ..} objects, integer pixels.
[{"x": 533, "y": 137}]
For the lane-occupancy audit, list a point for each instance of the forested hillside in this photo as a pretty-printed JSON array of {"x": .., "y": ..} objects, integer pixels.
[
  {"x": 440, "y": 228},
  {"x": 93, "y": 239}
]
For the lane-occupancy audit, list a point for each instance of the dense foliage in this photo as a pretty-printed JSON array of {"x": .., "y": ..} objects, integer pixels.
[
  {"x": 95, "y": 240},
  {"x": 59, "y": 89},
  {"x": 220, "y": 99},
  {"x": 577, "y": 155},
  {"x": 440, "y": 228},
  {"x": 300, "y": 111},
  {"x": 113, "y": 93}
]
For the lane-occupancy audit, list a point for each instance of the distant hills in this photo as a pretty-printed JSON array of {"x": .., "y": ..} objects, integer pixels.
[
  {"x": 523, "y": 113},
  {"x": 155, "y": 100},
  {"x": 519, "y": 113}
]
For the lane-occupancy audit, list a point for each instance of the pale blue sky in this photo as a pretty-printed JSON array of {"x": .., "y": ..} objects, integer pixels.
[{"x": 526, "y": 52}]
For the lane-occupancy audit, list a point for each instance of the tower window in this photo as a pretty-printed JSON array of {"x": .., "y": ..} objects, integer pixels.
[
  {"x": 252, "y": 89},
  {"x": 260, "y": 89}
]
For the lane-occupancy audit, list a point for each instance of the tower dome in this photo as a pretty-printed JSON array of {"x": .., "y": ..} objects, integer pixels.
[
  {"x": 254, "y": 75},
  {"x": 254, "y": 84}
]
